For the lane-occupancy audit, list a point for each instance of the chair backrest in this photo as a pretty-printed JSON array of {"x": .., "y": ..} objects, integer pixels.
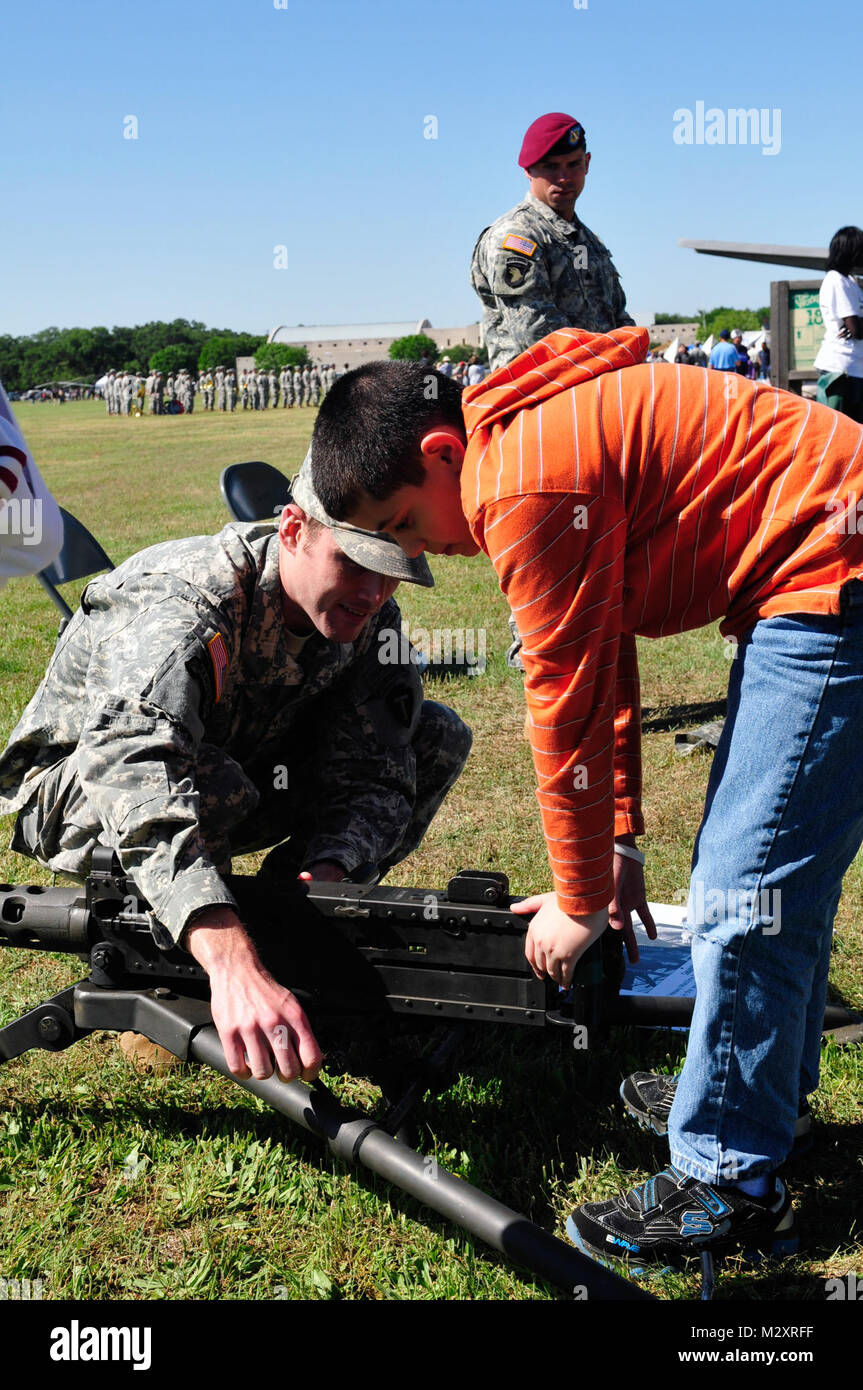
[
  {"x": 81, "y": 555},
  {"x": 254, "y": 491}
]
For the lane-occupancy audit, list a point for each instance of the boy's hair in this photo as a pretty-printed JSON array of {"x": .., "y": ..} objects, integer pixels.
[
  {"x": 369, "y": 429},
  {"x": 846, "y": 250}
]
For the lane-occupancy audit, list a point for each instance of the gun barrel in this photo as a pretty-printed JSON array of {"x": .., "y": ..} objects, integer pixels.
[{"x": 44, "y": 919}]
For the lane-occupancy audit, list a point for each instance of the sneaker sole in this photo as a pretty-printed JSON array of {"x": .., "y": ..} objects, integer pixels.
[{"x": 777, "y": 1248}]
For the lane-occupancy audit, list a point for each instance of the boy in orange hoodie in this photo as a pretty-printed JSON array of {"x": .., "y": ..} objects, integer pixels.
[{"x": 615, "y": 498}]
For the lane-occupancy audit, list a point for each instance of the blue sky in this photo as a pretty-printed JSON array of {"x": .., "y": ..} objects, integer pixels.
[{"x": 304, "y": 127}]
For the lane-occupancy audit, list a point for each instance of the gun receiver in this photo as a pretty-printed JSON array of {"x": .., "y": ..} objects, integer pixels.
[{"x": 457, "y": 953}]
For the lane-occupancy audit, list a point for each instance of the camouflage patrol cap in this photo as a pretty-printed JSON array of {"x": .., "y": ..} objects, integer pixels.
[{"x": 372, "y": 549}]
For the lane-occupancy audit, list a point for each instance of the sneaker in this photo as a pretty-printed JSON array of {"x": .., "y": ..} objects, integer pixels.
[
  {"x": 648, "y": 1097},
  {"x": 672, "y": 1216}
]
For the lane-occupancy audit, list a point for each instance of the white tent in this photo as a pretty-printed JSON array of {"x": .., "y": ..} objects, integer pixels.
[
  {"x": 709, "y": 345},
  {"x": 671, "y": 351}
]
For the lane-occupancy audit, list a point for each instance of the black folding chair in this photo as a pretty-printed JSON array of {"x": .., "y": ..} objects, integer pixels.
[
  {"x": 81, "y": 556},
  {"x": 254, "y": 491}
]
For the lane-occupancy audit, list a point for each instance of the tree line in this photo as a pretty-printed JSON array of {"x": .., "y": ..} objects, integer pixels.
[
  {"x": 85, "y": 354},
  {"x": 714, "y": 320}
]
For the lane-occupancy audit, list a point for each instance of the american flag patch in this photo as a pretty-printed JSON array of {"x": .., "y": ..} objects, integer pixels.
[
  {"x": 511, "y": 242},
  {"x": 219, "y": 657}
]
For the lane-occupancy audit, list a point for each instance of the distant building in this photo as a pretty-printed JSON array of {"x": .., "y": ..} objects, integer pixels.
[
  {"x": 665, "y": 333},
  {"x": 356, "y": 343}
]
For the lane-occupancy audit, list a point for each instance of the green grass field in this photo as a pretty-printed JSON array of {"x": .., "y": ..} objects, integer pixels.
[{"x": 118, "y": 1185}]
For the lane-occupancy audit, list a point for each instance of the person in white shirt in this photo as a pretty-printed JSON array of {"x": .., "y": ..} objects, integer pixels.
[
  {"x": 31, "y": 527},
  {"x": 840, "y": 357},
  {"x": 475, "y": 372}
]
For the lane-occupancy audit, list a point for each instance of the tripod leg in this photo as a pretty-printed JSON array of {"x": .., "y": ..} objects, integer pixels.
[{"x": 50, "y": 1026}]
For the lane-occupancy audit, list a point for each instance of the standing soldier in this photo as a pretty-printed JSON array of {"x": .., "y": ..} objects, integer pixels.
[
  {"x": 231, "y": 388},
  {"x": 315, "y": 383},
  {"x": 307, "y": 386},
  {"x": 298, "y": 387},
  {"x": 274, "y": 388},
  {"x": 263, "y": 388},
  {"x": 158, "y": 390},
  {"x": 220, "y": 387},
  {"x": 538, "y": 268},
  {"x": 244, "y": 389}
]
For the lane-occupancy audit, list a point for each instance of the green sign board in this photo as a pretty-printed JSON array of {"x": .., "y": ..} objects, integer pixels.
[{"x": 807, "y": 328}]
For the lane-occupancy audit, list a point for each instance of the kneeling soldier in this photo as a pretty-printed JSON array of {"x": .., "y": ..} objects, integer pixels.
[{"x": 212, "y": 697}]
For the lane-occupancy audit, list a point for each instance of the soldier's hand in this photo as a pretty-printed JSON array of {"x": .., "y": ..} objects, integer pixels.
[
  {"x": 261, "y": 1025},
  {"x": 325, "y": 869}
]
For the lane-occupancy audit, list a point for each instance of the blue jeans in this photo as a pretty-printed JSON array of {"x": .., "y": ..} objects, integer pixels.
[{"x": 783, "y": 820}]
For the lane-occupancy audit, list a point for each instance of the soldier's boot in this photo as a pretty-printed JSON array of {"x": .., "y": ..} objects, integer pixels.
[{"x": 147, "y": 1055}]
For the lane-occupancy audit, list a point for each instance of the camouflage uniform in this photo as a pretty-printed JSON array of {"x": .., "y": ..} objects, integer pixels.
[
  {"x": 231, "y": 388},
  {"x": 220, "y": 387},
  {"x": 177, "y": 706},
  {"x": 273, "y": 385},
  {"x": 536, "y": 272}
]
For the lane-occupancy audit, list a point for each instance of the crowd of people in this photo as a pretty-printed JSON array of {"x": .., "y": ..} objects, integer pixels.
[
  {"x": 463, "y": 373},
  {"x": 160, "y": 393},
  {"x": 730, "y": 354}
]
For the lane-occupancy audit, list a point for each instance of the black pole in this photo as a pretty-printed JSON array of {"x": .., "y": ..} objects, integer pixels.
[{"x": 357, "y": 1139}]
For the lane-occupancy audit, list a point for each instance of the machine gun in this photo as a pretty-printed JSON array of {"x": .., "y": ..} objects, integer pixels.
[{"x": 456, "y": 955}]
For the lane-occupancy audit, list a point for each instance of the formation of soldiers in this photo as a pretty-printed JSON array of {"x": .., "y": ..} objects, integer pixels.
[
  {"x": 129, "y": 393},
  {"x": 290, "y": 386}
]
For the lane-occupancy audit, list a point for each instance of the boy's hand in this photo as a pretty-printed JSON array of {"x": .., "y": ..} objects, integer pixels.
[
  {"x": 630, "y": 896},
  {"x": 555, "y": 940}
]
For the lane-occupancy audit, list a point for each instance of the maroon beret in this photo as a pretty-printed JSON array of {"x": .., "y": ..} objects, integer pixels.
[{"x": 545, "y": 132}]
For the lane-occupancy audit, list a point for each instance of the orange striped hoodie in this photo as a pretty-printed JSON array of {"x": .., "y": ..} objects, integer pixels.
[{"x": 617, "y": 497}]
